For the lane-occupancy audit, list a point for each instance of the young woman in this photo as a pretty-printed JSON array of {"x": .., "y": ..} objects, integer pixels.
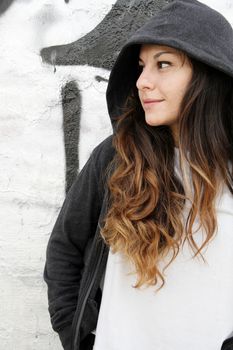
[{"x": 142, "y": 251}]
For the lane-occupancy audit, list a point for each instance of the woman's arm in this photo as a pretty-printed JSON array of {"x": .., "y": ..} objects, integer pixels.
[{"x": 75, "y": 225}]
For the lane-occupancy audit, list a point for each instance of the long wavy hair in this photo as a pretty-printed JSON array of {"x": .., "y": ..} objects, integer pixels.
[{"x": 145, "y": 219}]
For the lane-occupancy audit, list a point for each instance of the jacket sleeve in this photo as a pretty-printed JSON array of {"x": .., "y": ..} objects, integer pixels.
[{"x": 75, "y": 224}]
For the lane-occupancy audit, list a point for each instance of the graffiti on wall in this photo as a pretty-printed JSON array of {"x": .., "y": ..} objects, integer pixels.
[
  {"x": 4, "y": 5},
  {"x": 99, "y": 48},
  {"x": 71, "y": 105}
]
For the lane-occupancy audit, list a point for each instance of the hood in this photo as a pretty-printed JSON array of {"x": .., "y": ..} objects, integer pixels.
[{"x": 198, "y": 30}]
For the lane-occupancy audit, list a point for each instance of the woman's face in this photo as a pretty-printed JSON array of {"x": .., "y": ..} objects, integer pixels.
[{"x": 165, "y": 75}]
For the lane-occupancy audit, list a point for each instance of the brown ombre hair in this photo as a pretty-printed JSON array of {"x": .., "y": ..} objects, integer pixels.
[{"x": 147, "y": 198}]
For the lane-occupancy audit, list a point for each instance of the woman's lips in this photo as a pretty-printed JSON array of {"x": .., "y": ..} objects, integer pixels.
[{"x": 150, "y": 102}]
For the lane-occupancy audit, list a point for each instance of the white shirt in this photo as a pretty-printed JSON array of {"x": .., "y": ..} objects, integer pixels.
[{"x": 194, "y": 309}]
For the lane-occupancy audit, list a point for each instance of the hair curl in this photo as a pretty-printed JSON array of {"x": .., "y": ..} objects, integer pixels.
[{"x": 147, "y": 198}]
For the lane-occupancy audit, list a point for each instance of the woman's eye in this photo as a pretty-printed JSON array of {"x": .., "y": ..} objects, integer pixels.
[{"x": 163, "y": 64}]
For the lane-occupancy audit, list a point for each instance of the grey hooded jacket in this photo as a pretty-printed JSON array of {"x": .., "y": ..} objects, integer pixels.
[{"x": 73, "y": 271}]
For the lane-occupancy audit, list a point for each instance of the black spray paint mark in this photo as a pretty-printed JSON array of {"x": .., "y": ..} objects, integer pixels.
[
  {"x": 99, "y": 79},
  {"x": 4, "y": 5},
  {"x": 71, "y": 104},
  {"x": 99, "y": 48}
]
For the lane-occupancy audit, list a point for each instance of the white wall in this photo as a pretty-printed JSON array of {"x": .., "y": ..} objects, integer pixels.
[{"x": 32, "y": 151}]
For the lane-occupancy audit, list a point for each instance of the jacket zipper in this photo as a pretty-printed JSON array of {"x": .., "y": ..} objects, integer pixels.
[{"x": 85, "y": 295}]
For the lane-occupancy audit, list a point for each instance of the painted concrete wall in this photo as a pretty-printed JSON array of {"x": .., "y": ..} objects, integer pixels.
[{"x": 53, "y": 112}]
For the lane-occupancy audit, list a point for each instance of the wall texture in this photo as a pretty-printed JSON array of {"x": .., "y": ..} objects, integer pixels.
[{"x": 55, "y": 59}]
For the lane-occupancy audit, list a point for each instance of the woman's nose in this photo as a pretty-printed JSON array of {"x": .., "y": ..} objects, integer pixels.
[{"x": 144, "y": 81}]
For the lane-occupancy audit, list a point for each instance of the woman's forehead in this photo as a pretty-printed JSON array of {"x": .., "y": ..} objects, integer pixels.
[{"x": 158, "y": 48}]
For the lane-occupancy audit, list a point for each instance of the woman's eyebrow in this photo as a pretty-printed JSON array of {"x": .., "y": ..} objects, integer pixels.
[{"x": 159, "y": 54}]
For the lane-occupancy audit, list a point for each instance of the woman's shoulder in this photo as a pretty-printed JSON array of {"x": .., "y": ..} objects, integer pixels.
[{"x": 104, "y": 152}]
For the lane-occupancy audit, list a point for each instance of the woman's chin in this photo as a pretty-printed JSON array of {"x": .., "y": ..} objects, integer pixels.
[{"x": 152, "y": 121}]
